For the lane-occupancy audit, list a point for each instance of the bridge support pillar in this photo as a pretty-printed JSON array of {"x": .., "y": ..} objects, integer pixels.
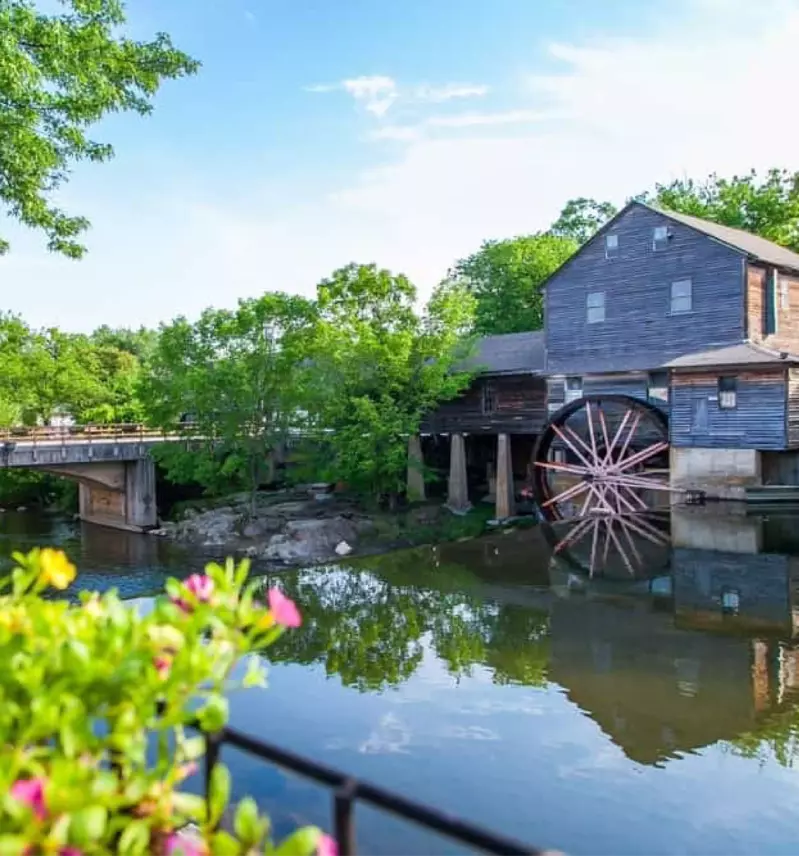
[{"x": 125, "y": 501}]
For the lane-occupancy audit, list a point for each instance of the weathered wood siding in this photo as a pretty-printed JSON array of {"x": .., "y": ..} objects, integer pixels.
[
  {"x": 758, "y": 422},
  {"x": 793, "y": 408},
  {"x": 519, "y": 407},
  {"x": 786, "y": 337},
  {"x": 639, "y": 331}
]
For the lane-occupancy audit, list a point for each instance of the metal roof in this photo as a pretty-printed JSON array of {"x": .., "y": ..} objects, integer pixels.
[
  {"x": 753, "y": 245},
  {"x": 744, "y": 354},
  {"x": 510, "y": 353}
]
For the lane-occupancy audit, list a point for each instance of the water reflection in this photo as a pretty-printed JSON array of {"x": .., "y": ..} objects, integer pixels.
[{"x": 513, "y": 664}]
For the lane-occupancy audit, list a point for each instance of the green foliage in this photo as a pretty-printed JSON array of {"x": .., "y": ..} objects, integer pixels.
[
  {"x": 581, "y": 218},
  {"x": 240, "y": 377},
  {"x": 59, "y": 75},
  {"x": 378, "y": 369},
  {"x": 82, "y": 688},
  {"x": 505, "y": 278},
  {"x": 767, "y": 206},
  {"x": 44, "y": 374}
]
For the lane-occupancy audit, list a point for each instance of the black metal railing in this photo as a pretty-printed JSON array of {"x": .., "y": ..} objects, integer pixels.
[{"x": 347, "y": 791}]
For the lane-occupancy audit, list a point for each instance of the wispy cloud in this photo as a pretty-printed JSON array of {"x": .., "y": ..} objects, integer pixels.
[
  {"x": 508, "y": 117},
  {"x": 378, "y": 93}
]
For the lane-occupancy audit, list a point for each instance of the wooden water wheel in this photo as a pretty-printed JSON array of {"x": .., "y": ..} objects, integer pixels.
[{"x": 602, "y": 455}]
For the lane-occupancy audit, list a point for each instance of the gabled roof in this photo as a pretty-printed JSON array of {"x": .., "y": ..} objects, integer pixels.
[
  {"x": 511, "y": 353},
  {"x": 753, "y": 245},
  {"x": 744, "y": 354}
]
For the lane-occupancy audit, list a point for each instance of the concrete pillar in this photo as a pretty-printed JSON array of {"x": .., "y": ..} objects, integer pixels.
[
  {"x": 415, "y": 482},
  {"x": 506, "y": 500},
  {"x": 458, "y": 495},
  {"x": 761, "y": 694},
  {"x": 140, "y": 505}
]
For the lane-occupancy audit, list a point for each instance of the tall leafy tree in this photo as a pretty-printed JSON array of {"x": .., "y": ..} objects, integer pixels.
[
  {"x": 581, "y": 218},
  {"x": 505, "y": 278},
  {"x": 239, "y": 378},
  {"x": 767, "y": 206},
  {"x": 378, "y": 368},
  {"x": 59, "y": 75}
]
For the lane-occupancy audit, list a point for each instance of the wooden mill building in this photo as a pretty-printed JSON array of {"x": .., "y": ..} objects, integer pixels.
[{"x": 699, "y": 319}]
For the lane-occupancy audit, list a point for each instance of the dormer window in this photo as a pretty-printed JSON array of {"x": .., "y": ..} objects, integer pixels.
[
  {"x": 611, "y": 246},
  {"x": 660, "y": 237}
]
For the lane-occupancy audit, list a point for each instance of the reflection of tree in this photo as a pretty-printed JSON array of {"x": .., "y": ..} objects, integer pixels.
[
  {"x": 370, "y": 627},
  {"x": 777, "y": 736}
]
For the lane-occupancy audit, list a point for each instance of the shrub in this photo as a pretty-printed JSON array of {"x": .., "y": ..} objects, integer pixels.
[{"x": 96, "y": 701}]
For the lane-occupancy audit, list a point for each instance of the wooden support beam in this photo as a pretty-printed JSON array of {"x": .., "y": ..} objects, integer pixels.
[
  {"x": 506, "y": 495},
  {"x": 458, "y": 495},
  {"x": 415, "y": 481}
]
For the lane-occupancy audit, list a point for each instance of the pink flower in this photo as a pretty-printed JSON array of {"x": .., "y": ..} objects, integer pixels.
[
  {"x": 326, "y": 846},
  {"x": 70, "y": 851},
  {"x": 31, "y": 792},
  {"x": 283, "y": 609},
  {"x": 200, "y": 586},
  {"x": 163, "y": 665},
  {"x": 184, "y": 845}
]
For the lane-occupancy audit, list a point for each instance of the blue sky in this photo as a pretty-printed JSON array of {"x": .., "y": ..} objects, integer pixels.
[{"x": 320, "y": 132}]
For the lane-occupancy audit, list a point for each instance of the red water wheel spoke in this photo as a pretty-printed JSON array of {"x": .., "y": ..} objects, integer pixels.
[{"x": 607, "y": 443}]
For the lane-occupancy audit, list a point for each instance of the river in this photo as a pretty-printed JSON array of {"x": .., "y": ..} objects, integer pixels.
[{"x": 649, "y": 708}]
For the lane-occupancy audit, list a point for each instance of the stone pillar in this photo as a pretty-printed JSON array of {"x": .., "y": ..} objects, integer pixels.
[
  {"x": 140, "y": 506},
  {"x": 415, "y": 483},
  {"x": 458, "y": 495},
  {"x": 761, "y": 694},
  {"x": 506, "y": 500}
]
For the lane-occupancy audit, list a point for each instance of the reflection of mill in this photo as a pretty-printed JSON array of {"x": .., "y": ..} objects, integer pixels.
[{"x": 687, "y": 655}]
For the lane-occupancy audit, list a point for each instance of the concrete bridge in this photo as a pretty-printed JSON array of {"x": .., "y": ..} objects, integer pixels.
[{"x": 112, "y": 465}]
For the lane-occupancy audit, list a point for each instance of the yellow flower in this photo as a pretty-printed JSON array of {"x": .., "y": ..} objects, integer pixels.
[
  {"x": 165, "y": 637},
  {"x": 55, "y": 569},
  {"x": 265, "y": 621},
  {"x": 15, "y": 619}
]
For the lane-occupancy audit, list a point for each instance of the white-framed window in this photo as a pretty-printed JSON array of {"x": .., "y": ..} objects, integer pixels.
[
  {"x": 660, "y": 237},
  {"x": 728, "y": 393},
  {"x": 595, "y": 307},
  {"x": 785, "y": 294},
  {"x": 572, "y": 389},
  {"x": 658, "y": 387},
  {"x": 681, "y": 296},
  {"x": 611, "y": 246}
]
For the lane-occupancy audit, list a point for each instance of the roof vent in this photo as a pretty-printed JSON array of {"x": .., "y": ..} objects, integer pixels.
[{"x": 783, "y": 355}]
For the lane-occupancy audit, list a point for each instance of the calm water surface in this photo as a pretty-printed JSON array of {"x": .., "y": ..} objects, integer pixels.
[{"x": 647, "y": 709}]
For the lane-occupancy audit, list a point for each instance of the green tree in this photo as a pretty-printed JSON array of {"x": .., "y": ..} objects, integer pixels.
[
  {"x": 767, "y": 206},
  {"x": 240, "y": 378},
  {"x": 581, "y": 218},
  {"x": 505, "y": 279},
  {"x": 379, "y": 368},
  {"x": 59, "y": 75}
]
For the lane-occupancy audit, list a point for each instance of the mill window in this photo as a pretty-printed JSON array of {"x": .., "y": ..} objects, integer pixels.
[
  {"x": 681, "y": 296},
  {"x": 728, "y": 393},
  {"x": 489, "y": 402},
  {"x": 658, "y": 387},
  {"x": 595, "y": 307},
  {"x": 660, "y": 237},
  {"x": 770, "y": 302},
  {"x": 572, "y": 389},
  {"x": 611, "y": 246}
]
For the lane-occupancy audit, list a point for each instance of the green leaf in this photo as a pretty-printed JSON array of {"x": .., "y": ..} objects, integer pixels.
[
  {"x": 191, "y": 805},
  {"x": 303, "y": 842},
  {"x": 88, "y": 825},
  {"x": 193, "y": 748},
  {"x": 214, "y": 714},
  {"x": 13, "y": 845},
  {"x": 135, "y": 840},
  {"x": 224, "y": 844},
  {"x": 219, "y": 793},
  {"x": 255, "y": 676},
  {"x": 247, "y": 824}
]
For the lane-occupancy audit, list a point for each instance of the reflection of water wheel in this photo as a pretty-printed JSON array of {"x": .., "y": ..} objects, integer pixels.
[
  {"x": 601, "y": 454},
  {"x": 615, "y": 547}
]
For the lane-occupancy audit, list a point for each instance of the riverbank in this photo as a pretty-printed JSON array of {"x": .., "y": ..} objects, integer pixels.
[{"x": 314, "y": 525}]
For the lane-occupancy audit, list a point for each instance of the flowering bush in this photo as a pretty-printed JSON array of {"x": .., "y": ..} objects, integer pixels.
[{"x": 95, "y": 704}]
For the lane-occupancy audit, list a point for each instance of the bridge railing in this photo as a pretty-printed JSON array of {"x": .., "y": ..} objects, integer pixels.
[{"x": 90, "y": 433}]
